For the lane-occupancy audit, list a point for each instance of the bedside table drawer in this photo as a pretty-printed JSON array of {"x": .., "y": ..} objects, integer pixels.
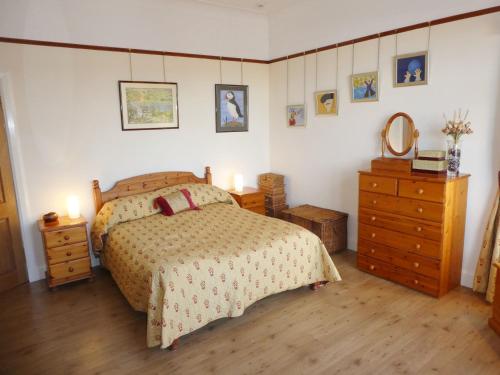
[
  {"x": 252, "y": 200},
  {"x": 70, "y": 269},
  {"x": 66, "y": 253},
  {"x": 65, "y": 237}
]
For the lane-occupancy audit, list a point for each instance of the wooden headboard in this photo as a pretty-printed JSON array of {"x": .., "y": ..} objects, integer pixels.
[{"x": 145, "y": 183}]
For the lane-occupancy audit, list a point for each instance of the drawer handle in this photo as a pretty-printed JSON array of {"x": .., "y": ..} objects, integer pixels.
[
  {"x": 374, "y": 201},
  {"x": 420, "y": 210},
  {"x": 417, "y": 246},
  {"x": 373, "y": 218},
  {"x": 416, "y": 264},
  {"x": 372, "y": 251},
  {"x": 418, "y": 229},
  {"x": 420, "y": 191},
  {"x": 66, "y": 237},
  {"x": 372, "y": 267},
  {"x": 415, "y": 282},
  {"x": 68, "y": 253},
  {"x": 71, "y": 269},
  {"x": 373, "y": 235},
  {"x": 374, "y": 185}
]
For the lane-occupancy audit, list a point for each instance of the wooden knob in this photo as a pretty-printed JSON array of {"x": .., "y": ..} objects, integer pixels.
[
  {"x": 66, "y": 237},
  {"x": 415, "y": 282},
  {"x": 420, "y": 209},
  {"x": 416, "y": 264},
  {"x": 71, "y": 269},
  {"x": 374, "y": 201},
  {"x": 418, "y": 229},
  {"x": 68, "y": 253},
  {"x": 373, "y": 218},
  {"x": 372, "y": 251},
  {"x": 420, "y": 191},
  {"x": 372, "y": 267},
  {"x": 373, "y": 235},
  {"x": 417, "y": 246},
  {"x": 374, "y": 184}
]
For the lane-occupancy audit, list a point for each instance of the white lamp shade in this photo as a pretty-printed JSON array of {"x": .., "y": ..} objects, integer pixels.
[
  {"x": 238, "y": 182},
  {"x": 73, "y": 207}
]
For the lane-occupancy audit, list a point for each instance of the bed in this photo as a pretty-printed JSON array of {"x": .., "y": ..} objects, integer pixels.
[{"x": 197, "y": 266}]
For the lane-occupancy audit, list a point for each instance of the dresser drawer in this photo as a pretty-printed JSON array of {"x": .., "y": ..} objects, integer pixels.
[
  {"x": 65, "y": 237},
  {"x": 417, "y": 245},
  {"x": 374, "y": 266},
  {"x": 421, "y": 265},
  {"x": 421, "y": 209},
  {"x": 376, "y": 184},
  {"x": 429, "y": 230},
  {"x": 416, "y": 281},
  {"x": 428, "y": 191},
  {"x": 252, "y": 200},
  {"x": 66, "y": 253},
  {"x": 374, "y": 250},
  {"x": 378, "y": 201},
  {"x": 72, "y": 268}
]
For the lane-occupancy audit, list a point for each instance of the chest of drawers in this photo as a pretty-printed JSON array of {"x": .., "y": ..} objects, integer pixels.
[
  {"x": 411, "y": 229},
  {"x": 250, "y": 199}
]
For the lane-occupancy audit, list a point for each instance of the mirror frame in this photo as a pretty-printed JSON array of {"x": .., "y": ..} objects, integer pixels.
[{"x": 387, "y": 128}]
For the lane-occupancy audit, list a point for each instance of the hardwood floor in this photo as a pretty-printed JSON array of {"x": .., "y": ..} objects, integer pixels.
[{"x": 362, "y": 325}]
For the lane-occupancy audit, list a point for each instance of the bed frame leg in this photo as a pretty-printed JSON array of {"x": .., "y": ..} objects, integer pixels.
[
  {"x": 317, "y": 285},
  {"x": 173, "y": 346}
]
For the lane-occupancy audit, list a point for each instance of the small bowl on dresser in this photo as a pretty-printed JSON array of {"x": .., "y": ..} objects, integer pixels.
[{"x": 51, "y": 218}]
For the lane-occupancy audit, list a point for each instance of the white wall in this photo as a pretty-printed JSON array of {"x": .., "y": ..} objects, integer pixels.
[
  {"x": 67, "y": 129},
  {"x": 173, "y": 25},
  {"x": 322, "y": 160}
]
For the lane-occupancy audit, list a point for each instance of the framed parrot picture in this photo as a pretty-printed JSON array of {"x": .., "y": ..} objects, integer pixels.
[{"x": 231, "y": 108}]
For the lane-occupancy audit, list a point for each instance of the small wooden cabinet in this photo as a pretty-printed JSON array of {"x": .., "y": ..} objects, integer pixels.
[
  {"x": 66, "y": 251},
  {"x": 250, "y": 198}
]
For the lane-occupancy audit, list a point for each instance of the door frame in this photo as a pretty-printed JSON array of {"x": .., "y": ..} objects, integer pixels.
[{"x": 17, "y": 171}]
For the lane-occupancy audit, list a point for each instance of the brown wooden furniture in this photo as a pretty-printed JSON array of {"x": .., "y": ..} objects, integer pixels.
[
  {"x": 494, "y": 321},
  {"x": 66, "y": 251},
  {"x": 329, "y": 225},
  {"x": 411, "y": 228},
  {"x": 250, "y": 198}
]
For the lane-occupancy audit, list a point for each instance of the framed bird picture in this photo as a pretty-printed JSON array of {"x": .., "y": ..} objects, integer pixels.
[{"x": 231, "y": 108}]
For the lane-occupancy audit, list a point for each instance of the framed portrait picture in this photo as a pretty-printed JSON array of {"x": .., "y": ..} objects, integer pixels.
[
  {"x": 296, "y": 116},
  {"x": 231, "y": 108},
  {"x": 326, "y": 102},
  {"x": 148, "y": 105},
  {"x": 364, "y": 87},
  {"x": 411, "y": 69}
]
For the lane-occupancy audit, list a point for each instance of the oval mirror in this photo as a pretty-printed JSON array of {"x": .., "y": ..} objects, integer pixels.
[{"x": 399, "y": 134}]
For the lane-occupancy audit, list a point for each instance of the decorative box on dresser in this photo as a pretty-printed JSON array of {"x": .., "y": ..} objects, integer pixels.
[
  {"x": 411, "y": 228},
  {"x": 66, "y": 251},
  {"x": 250, "y": 198}
]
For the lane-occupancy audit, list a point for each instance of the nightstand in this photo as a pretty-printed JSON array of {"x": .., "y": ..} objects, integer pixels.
[
  {"x": 66, "y": 251},
  {"x": 250, "y": 198}
]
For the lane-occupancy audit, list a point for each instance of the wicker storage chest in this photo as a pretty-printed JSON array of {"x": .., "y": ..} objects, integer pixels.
[{"x": 329, "y": 225}]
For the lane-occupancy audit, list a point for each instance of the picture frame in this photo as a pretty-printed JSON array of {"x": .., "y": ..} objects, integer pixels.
[
  {"x": 326, "y": 103},
  {"x": 146, "y": 105},
  {"x": 411, "y": 69},
  {"x": 231, "y": 108},
  {"x": 364, "y": 87},
  {"x": 296, "y": 115}
]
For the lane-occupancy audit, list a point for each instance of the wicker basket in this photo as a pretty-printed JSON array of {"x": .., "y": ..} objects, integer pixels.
[{"x": 271, "y": 180}]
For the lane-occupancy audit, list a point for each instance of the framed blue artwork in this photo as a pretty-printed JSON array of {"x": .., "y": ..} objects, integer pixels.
[
  {"x": 411, "y": 69},
  {"x": 231, "y": 108}
]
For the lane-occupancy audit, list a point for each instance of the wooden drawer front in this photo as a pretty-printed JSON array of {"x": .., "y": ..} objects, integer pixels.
[
  {"x": 429, "y": 230},
  {"x": 70, "y": 269},
  {"x": 258, "y": 209},
  {"x": 378, "y": 201},
  {"x": 416, "y": 281},
  {"x": 374, "y": 266},
  {"x": 65, "y": 253},
  {"x": 427, "y": 191},
  {"x": 421, "y": 209},
  {"x": 374, "y": 250},
  {"x": 65, "y": 237},
  {"x": 400, "y": 241},
  {"x": 423, "y": 266},
  {"x": 252, "y": 200},
  {"x": 375, "y": 184}
]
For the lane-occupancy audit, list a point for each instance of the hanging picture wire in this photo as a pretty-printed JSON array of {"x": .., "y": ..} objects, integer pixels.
[
  {"x": 337, "y": 68},
  {"x": 428, "y": 47},
  {"x": 130, "y": 63},
  {"x": 316, "y": 71},
  {"x": 220, "y": 70},
  {"x": 378, "y": 53},
  {"x": 164, "y": 73},
  {"x": 396, "y": 42},
  {"x": 241, "y": 71},
  {"x": 287, "y": 75},
  {"x": 352, "y": 58},
  {"x": 304, "y": 58}
]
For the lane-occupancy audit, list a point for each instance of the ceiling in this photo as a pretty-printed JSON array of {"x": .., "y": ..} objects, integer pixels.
[{"x": 254, "y": 6}]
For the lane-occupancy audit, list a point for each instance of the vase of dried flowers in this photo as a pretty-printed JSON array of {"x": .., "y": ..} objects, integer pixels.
[{"x": 455, "y": 129}]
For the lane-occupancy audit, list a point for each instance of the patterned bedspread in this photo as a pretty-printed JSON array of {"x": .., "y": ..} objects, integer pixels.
[{"x": 198, "y": 266}]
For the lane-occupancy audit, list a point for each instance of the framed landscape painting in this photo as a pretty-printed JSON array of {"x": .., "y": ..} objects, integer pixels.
[
  {"x": 148, "y": 105},
  {"x": 296, "y": 116},
  {"x": 326, "y": 102},
  {"x": 231, "y": 108},
  {"x": 411, "y": 69},
  {"x": 364, "y": 87}
]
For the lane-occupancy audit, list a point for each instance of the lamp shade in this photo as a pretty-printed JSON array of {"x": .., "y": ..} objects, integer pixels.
[
  {"x": 73, "y": 207},
  {"x": 238, "y": 182}
]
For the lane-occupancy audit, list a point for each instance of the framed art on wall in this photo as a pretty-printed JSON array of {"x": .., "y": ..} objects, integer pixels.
[
  {"x": 231, "y": 108},
  {"x": 364, "y": 87},
  {"x": 148, "y": 105},
  {"x": 296, "y": 115},
  {"x": 326, "y": 102},
  {"x": 411, "y": 69}
]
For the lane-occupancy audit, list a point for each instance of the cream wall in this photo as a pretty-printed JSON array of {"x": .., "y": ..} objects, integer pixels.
[
  {"x": 65, "y": 128},
  {"x": 320, "y": 162}
]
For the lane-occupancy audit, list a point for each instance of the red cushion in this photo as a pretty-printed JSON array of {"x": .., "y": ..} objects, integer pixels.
[{"x": 167, "y": 206}]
